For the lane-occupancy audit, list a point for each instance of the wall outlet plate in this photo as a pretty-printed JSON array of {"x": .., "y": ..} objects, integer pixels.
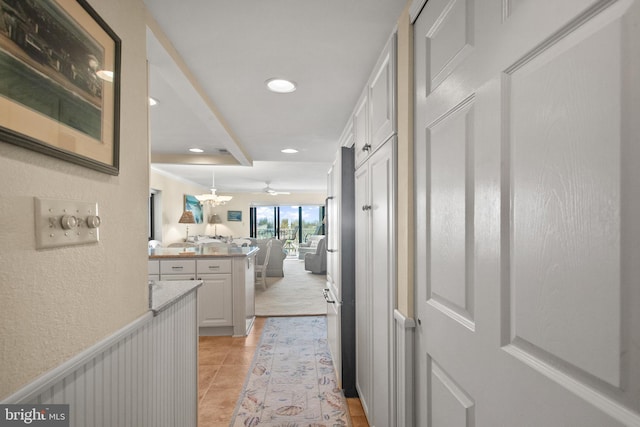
[{"x": 65, "y": 223}]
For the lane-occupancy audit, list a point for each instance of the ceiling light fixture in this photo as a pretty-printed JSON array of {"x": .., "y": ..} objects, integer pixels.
[
  {"x": 213, "y": 199},
  {"x": 196, "y": 150},
  {"x": 289, "y": 151},
  {"x": 281, "y": 85}
]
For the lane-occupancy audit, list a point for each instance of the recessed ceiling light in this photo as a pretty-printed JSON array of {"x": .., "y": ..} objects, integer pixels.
[
  {"x": 196, "y": 150},
  {"x": 280, "y": 85},
  {"x": 289, "y": 151},
  {"x": 105, "y": 75},
  {"x": 153, "y": 101}
]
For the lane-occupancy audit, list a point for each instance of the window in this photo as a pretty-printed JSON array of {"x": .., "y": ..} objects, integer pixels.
[
  {"x": 155, "y": 215},
  {"x": 263, "y": 222},
  {"x": 152, "y": 207},
  {"x": 312, "y": 221},
  {"x": 286, "y": 222}
]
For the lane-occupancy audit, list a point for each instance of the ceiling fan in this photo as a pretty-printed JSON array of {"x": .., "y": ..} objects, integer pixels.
[{"x": 273, "y": 192}]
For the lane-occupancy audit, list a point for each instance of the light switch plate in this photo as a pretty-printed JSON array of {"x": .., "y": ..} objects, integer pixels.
[{"x": 65, "y": 223}]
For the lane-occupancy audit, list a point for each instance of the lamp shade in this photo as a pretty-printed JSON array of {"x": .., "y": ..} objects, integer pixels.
[
  {"x": 215, "y": 219},
  {"x": 187, "y": 218}
]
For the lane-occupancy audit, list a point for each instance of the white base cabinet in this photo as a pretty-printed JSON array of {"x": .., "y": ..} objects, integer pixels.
[{"x": 226, "y": 304}]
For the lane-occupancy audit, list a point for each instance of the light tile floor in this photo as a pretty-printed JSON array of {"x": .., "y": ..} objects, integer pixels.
[{"x": 223, "y": 366}]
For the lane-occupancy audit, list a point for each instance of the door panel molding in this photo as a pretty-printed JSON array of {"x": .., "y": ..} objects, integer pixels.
[{"x": 449, "y": 404}]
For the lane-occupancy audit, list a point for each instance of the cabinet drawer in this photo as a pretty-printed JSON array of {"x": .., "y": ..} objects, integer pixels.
[
  {"x": 214, "y": 266},
  {"x": 154, "y": 266},
  {"x": 178, "y": 277},
  {"x": 177, "y": 266}
]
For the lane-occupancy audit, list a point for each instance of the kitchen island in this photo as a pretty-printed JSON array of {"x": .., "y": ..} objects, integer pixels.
[{"x": 226, "y": 299}]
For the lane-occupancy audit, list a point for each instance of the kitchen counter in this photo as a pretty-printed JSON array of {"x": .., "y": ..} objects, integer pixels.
[
  {"x": 203, "y": 251},
  {"x": 163, "y": 293}
]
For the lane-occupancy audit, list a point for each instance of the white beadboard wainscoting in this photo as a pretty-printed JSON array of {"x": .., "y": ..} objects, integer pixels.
[
  {"x": 144, "y": 375},
  {"x": 405, "y": 330}
]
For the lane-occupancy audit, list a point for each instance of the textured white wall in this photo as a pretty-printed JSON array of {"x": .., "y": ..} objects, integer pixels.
[
  {"x": 55, "y": 303},
  {"x": 172, "y": 191}
]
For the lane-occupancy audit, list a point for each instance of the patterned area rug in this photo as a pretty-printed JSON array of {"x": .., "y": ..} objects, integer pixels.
[{"x": 291, "y": 382}]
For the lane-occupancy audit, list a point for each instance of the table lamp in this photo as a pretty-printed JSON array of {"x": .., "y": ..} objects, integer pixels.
[
  {"x": 187, "y": 218},
  {"x": 215, "y": 220}
]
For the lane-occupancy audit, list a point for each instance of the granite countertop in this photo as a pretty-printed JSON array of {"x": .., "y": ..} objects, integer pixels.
[
  {"x": 163, "y": 293},
  {"x": 203, "y": 251}
]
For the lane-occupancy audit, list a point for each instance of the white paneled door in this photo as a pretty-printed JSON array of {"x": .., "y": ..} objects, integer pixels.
[{"x": 528, "y": 213}]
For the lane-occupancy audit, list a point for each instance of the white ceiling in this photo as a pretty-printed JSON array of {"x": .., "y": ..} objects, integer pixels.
[{"x": 230, "y": 48}]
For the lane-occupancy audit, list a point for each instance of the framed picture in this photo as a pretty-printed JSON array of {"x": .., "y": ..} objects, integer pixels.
[
  {"x": 192, "y": 204},
  {"x": 234, "y": 215},
  {"x": 60, "y": 86}
]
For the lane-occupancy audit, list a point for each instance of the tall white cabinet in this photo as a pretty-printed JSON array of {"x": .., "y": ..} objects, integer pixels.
[
  {"x": 375, "y": 283},
  {"x": 375, "y": 195}
]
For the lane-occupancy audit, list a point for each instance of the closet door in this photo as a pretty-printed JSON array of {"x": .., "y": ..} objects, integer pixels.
[{"x": 528, "y": 210}]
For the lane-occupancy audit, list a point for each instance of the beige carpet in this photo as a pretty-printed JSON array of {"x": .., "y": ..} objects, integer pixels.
[{"x": 298, "y": 293}]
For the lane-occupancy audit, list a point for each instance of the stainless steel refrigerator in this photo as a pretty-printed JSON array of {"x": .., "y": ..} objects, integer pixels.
[{"x": 340, "y": 292}]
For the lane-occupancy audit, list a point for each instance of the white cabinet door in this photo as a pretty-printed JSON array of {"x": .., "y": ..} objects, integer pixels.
[
  {"x": 375, "y": 283},
  {"x": 382, "y": 281},
  {"x": 528, "y": 210},
  {"x": 363, "y": 288},
  {"x": 382, "y": 99},
  {"x": 215, "y": 300},
  {"x": 361, "y": 129}
]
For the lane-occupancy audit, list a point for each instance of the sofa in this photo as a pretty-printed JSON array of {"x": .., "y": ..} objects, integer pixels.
[{"x": 276, "y": 259}]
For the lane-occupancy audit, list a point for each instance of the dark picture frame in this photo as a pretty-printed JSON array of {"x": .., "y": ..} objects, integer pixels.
[
  {"x": 234, "y": 216},
  {"x": 192, "y": 204},
  {"x": 60, "y": 64}
]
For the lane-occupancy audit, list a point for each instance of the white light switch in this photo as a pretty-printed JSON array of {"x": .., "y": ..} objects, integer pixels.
[{"x": 65, "y": 223}]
